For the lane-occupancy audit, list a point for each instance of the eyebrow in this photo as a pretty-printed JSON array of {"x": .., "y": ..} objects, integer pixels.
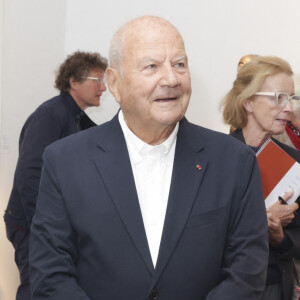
[
  {"x": 149, "y": 59},
  {"x": 183, "y": 57}
]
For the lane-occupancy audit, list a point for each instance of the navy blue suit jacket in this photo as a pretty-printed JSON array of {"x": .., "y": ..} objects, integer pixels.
[
  {"x": 88, "y": 239},
  {"x": 54, "y": 119}
]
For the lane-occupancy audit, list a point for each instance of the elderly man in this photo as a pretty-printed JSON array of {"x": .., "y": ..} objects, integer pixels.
[
  {"x": 80, "y": 81},
  {"x": 149, "y": 206}
]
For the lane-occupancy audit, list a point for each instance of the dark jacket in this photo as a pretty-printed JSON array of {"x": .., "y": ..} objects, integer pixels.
[
  {"x": 283, "y": 254},
  {"x": 52, "y": 120},
  {"x": 88, "y": 239}
]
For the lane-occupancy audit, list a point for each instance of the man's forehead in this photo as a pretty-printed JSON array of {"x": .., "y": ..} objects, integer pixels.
[
  {"x": 97, "y": 70},
  {"x": 144, "y": 53},
  {"x": 153, "y": 39},
  {"x": 156, "y": 32}
]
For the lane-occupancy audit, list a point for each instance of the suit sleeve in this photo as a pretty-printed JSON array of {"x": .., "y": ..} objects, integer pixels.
[
  {"x": 245, "y": 257},
  {"x": 53, "y": 250},
  {"x": 42, "y": 130}
]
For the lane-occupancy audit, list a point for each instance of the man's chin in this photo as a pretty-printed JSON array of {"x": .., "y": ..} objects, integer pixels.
[{"x": 169, "y": 121}]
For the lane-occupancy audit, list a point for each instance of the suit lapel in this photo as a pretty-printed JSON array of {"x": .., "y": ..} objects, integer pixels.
[
  {"x": 188, "y": 170},
  {"x": 114, "y": 166}
]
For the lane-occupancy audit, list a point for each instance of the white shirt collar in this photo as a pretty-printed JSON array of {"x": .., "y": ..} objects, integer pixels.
[{"x": 137, "y": 147}]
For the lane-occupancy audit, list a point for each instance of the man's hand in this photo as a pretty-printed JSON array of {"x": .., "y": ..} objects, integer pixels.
[{"x": 285, "y": 213}]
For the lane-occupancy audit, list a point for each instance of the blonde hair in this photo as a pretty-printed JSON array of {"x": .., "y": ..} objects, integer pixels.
[{"x": 248, "y": 81}]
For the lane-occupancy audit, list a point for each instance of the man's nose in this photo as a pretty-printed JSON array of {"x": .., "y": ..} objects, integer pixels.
[
  {"x": 102, "y": 86},
  {"x": 169, "y": 77}
]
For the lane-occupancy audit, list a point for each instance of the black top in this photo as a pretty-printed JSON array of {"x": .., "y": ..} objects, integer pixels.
[
  {"x": 52, "y": 120},
  {"x": 274, "y": 274}
]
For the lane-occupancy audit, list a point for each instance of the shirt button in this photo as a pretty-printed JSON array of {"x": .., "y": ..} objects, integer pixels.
[{"x": 154, "y": 295}]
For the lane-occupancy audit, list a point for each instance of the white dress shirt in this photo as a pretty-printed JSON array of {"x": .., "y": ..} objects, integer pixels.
[{"x": 152, "y": 169}]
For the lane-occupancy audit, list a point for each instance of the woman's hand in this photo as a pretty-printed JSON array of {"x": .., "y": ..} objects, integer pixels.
[
  {"x": 274, "y": 229},
  {"x": 285, "y": 213}
]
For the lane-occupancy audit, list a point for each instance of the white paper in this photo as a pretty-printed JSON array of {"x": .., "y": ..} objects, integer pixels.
[{"x": 291, "y": 180}]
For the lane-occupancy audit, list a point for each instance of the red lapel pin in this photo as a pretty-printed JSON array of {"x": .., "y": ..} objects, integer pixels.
[{"x": 198, "y": 167}]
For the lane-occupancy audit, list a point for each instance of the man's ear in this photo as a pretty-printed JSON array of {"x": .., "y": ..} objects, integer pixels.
[
  {"x": 247, "y": 104},
  {"x": 112, "y": 78},
  {"x": 72, "y": 83}
]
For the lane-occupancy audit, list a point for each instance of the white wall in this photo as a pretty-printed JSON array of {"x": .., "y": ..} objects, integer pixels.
[
  {"x": 37, "y": 34},
  {"x": 33, "y": 36}
]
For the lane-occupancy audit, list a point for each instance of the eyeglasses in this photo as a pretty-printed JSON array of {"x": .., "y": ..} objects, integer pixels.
[
  {"x": 281, "y": 98},
  {"x": 98, "y": 80}
]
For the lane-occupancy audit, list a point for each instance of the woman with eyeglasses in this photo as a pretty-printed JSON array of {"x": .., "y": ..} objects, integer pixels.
[{"x": 259, "y": 105}]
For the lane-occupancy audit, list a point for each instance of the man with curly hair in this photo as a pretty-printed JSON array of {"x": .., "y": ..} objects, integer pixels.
[{"x": 80, "y": 80}]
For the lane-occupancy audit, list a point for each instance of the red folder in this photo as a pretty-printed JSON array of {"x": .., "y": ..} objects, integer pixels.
[{"x": 279, "y": 172}]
